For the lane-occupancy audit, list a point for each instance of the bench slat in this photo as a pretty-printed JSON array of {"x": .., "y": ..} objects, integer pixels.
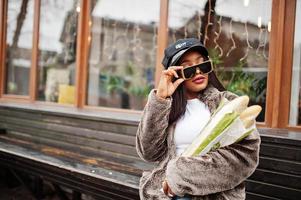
[
  {"x": 253, "y": 196},
  {"x": 11, "y": 123},
  {"x": 130, "y": 164},
  {"x": 97, "y": 145},
  {"x": 271, "y": 190},
  {"x": 281, "y": 179},
  {"x": 120, "y": 128},
  {"x": 114, "y": 185},
  {"x": 282, "y": 151},
  {"x": 280, "y": 165}
]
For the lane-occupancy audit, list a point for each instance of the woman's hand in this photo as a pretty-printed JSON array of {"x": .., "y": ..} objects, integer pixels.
[
  {"x": 166, "y": 189},
  {"x": 166, "y": 87}
]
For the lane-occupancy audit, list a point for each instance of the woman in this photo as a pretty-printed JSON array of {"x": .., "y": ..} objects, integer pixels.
[{"x": 187, "y": 95}]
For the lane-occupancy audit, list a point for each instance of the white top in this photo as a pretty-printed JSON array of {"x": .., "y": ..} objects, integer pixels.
[{"x": 190, "y": 124}]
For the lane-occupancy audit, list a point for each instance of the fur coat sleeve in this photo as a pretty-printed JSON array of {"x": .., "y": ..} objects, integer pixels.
[
  {"x": 151, "y": 137},
  {"x": 217, "y": 171}
]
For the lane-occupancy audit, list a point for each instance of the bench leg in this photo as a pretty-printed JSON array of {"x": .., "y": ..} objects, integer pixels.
[
  {"x": 10, "y": 178},
  {"x": 38, "y": 187},
  {"x": 20, "y": 179},
  {"x": 76, "y": 195},
  {"x": 61, "y": 194}
]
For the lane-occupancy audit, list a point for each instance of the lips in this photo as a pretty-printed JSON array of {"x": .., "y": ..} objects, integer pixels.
[{"x": 199, "y": 79}]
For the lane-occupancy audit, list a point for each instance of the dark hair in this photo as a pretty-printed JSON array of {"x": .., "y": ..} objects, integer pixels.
[{"x": 179, "y": 102}]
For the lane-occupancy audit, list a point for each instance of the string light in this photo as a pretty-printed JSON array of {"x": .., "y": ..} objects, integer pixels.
[
  {"x": 106, "y": 31},
  {"x": 259, "y": 22},
  {"x": 185, "y": 31},
  {"x": 174, "y": 38},
  {"x": 93, "y": 36},
  {"x": 248, "y": 43},
  {"x": 78, "y": 8},
  {"x": 111, "y": 57},
  {"x": 266, "y": 31},
  {"x": 217, "y": 34},
  {"x": 208, "y": 23},
  {"x": 154, "y": 43},
  {"x": 123, "y": 39},
  {"x": 199, "y": 24},
  {"x": 137, "y": 42},
  {"x": 265, "y": 44},
  {"x": 269, "y": 26},
  {"x": 246, "y": 33},
  {"x": 260, "y": 45},
  {"x": 232, "y": 39},
  {"x": 126, "y": 29},
  {"x": 246, "y": 3}
]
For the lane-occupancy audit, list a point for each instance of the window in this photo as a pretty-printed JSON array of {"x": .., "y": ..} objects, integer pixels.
[
  {"x": 122, "y": 57},
  {"x": 236, "y": 34},
  {"x": 19, "y": 33},
  {"x": 295, "y": 108},
  {"x": 57, "y": 51},
  {"x": 114, "y": 61}
]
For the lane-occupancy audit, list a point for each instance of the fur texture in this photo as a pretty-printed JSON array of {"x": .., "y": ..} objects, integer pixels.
[{"x": 218, "y": 175}]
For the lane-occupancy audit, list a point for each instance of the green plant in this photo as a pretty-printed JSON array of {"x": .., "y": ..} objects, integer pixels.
[
  {"x": 260, "y": 88},
  {"x": 215, "y": 57},
  {"x": 113, "y": 83},
  {"x": 239, "y": 81},
  {"x": 135, "y": 88},
  {"x": 130, "y": 68},
  {"x": 242, "y": 83},
  {"x": 140, "y": 91},
  {"x": 131, "y": 82}
]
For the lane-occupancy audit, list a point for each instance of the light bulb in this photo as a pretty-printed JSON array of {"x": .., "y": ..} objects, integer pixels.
[
  {"x": 78, "y": 8},
  {"x": 259, "y": 22},
  {"x": 269, "y": 26}
]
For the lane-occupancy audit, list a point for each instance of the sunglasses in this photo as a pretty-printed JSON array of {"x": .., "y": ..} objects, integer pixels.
[{"x": 189, "y": 72}]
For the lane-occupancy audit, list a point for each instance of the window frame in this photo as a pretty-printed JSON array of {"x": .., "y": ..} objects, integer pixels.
[{"x": 280, "y": 54}]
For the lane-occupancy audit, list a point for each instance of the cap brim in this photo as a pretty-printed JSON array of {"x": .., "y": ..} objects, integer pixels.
[{"x": 178, "y": 55}]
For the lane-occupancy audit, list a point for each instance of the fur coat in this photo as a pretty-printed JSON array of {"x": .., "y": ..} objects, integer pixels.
[{"x": 218, "y": 175}]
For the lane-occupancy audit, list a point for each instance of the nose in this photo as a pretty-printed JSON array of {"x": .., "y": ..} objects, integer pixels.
[{"x": 198, "y": 71}]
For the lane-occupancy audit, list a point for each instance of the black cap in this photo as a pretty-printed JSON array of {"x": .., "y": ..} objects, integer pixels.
[{"x": 174, "y": 52}]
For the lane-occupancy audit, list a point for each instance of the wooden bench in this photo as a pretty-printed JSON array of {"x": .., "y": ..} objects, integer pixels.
[
  {"x": 278, "y": 175},
  {"x": 95, "y": 154}
]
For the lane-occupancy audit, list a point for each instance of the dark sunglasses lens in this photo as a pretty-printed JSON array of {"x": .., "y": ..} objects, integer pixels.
[
  {"x": 205, "y": 67},
  {"x": 179, "y": 73},
  {"x": 189, "y": 72}
]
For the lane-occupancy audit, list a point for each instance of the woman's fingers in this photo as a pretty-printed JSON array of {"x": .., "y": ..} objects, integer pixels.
[
  {"x": 178, "y": 82},
  {"x": 171, "y": 71},
  {"x": 175, "y": 67},
  {"x": 175, "y": 73},
  {"x": 166, "y": 85},
  {"x": 165, "y": 187},
  {"x": 167, "y": 72}
]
